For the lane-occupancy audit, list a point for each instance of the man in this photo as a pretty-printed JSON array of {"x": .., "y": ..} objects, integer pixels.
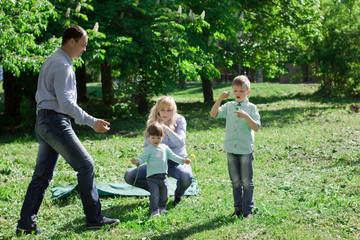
[{"x": 56, "y": 104}]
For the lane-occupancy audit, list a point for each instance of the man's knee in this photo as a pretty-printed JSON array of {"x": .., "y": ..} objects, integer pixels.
[{"x": 87, "y": 169}]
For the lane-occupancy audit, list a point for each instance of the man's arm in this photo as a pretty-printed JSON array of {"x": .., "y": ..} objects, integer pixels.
[{"x": 101, "y": 126}]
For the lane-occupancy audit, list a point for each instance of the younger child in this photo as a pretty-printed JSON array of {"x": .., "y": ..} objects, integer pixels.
[
  {"x": 156, "y": 155},
  {"x": 242, "y": 119}
]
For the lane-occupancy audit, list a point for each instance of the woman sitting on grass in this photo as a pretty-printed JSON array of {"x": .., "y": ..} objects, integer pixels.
[{"x": 165, "y": 112}]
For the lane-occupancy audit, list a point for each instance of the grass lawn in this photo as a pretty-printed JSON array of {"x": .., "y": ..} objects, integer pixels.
[{"x": 306, "y": 174}]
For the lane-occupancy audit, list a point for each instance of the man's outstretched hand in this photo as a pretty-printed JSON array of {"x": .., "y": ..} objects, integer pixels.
[{"x": 101, "y": 126}]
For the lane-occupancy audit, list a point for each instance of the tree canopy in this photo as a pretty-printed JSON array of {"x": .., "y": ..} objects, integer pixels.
[
  {"x": 22, "y": 22},
  {"x": 151, "y": 44}
]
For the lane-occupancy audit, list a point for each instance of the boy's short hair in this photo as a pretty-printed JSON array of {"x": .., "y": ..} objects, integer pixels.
[
  {"x": 154, "y": 129},
  {"x": 242, "y": 80}
]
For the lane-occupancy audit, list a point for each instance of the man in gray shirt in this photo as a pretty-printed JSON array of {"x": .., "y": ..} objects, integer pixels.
[{"x": 56, "y": 104}]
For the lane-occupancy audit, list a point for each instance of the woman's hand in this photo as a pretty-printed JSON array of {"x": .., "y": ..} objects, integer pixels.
[{"x": 167, "y": 129}]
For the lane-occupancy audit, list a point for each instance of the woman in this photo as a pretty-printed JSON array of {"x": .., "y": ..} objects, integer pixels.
[{"x": 165, "y": 112}]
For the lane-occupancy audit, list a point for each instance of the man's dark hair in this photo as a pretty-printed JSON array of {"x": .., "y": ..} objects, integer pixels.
[{"x": 73, "y": 31}]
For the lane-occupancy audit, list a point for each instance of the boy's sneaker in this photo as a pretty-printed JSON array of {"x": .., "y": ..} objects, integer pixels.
[
  {"x": 177, "y": 200},
  {"x": 237, "y": 213},
  {"x": 155, "y": 214},
  {"x": 105, "y": 221},
  {"x": 163, "y": 211},
  {"x": 248, "y": 215},
  {"x": 20, "y": 231}
]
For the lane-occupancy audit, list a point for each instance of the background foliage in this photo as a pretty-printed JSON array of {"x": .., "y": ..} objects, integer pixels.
[{"x": 138, "y": 49}]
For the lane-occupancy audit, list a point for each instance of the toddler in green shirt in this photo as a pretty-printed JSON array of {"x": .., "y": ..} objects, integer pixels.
[{"x": 156, "y": 155}]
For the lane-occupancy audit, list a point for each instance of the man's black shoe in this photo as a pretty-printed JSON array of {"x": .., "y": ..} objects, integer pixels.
[
  {"x": 20, "y": 232},
  {"x": 177, "y": 200},
  {"x": 105, "y": 221}
]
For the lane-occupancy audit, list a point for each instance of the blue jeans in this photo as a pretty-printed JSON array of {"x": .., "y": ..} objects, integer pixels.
[
  {"x": 240, "y": 168},
  {"x": 56, "y": 136},
  {"x": 158, "y": 186},
  {"x": 183, "y": 175}
]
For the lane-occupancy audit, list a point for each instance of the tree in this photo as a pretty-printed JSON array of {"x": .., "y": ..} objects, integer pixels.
[
  {"x": 254, "y": 34},
  {"x": 21, "y": 52},
  {"x": 146, "y": 43},
  {"x": 336, "y": 53}
]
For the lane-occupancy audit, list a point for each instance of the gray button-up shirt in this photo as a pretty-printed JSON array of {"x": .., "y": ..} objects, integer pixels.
[
  {"x": 56, "y": 89},
  {"x": 239, "y": 137}
]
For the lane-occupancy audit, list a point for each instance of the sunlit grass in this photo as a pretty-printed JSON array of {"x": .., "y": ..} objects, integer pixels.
[{"x": 307, "y": 183}]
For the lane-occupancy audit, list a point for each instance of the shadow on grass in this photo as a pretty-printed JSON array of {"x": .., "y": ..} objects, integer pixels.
[
  {"x": 198, "y": 118},
  {"x": 77, "y": 226},
  {"x": 211, "y": 224}
]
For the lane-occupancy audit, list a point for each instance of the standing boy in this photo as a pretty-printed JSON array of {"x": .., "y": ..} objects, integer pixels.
[
  {"x": 242, "y": 119},
  {"x": 156, "y": 155},
  {"x": 56, "y": 105}
]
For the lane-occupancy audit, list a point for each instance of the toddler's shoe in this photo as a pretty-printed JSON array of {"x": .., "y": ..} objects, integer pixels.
[
  {"x": 163, "y": 211},
  {"x": 155, "y": 214}
]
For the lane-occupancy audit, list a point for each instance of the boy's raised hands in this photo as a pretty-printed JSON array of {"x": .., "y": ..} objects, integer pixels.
[{"x": 225, "y": 95}]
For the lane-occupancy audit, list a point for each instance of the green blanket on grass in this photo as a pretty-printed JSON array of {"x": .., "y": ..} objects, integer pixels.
[{"x": 122, "y": 189}]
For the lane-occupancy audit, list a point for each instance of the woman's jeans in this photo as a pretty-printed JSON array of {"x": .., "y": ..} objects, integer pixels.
[
  {"x": 56, "y": 136},
  {"x": 158, "y": 186},
  {"x": 240, "y": 168},
  {"x": 183, "y": 175}
]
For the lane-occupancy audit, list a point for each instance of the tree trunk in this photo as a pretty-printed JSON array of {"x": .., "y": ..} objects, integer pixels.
[
  {"x": 12, "y": 92},
  {"x": 107, "y": 93},
  {"x": 207, "y": 90},
  {"x": 140, "y": 98},
  {"x": 260, "y": 74},
  {"x": 141, "y": 101},
  {"x": 181, "y": 83},
  {"x": 81, "y": 84},
  {"x": 305, "y": 76}
]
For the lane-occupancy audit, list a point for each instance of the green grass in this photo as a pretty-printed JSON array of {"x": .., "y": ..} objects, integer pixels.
[{"x": 307, "y": 168}]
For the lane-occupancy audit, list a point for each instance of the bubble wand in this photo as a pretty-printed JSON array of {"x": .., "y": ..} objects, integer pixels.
[
  {"x": 237, "y": 106},
  {"x": 137, "y": 174}
]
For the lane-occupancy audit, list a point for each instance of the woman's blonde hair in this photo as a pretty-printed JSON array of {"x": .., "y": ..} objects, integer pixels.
[{"x": 154, "y": 115}]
